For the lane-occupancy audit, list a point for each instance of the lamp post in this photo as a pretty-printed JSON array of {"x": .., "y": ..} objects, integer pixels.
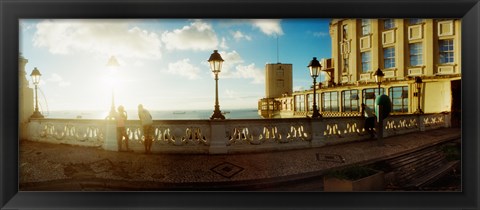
[
  {"x": 418, "y": 85},
  {"x": 36, "y": 80},
  {"x": 216, "y": 61},
  {"x": 314, "y": 67},
  {"x": 112, "y": 64},
  {"x": 379, "y": 78}
]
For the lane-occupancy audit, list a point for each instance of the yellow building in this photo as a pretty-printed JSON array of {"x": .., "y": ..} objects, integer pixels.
[
  {"x": 278, "y": 84},
  {"x": 403, "y": 49}
]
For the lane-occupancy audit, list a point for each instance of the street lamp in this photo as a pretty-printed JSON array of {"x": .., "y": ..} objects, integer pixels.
[
  {"x": 418, "y": 85},
  {"x": 112, "y": 64},
  {"x": 36, "y": 80},
  {"x": 314, "y": 67},
  {"x": 216, "y": 61},
  {"x": 379, "y": 78}
]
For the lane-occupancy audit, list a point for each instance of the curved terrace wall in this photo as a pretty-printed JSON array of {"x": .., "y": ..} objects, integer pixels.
[{"x": 227, "y": 136}]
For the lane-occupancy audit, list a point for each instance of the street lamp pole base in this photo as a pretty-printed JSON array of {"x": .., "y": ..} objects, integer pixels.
[
  {"x": 316, "y": 114},
  {"x": 37, "y": 114},
  {"x": 419, "y": 111},
  {"x": 111, "y": 116},
  {"x": 217, "y": 114}
]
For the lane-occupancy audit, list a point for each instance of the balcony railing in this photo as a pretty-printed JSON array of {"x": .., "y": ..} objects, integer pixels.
[{"x": 226, "y": 136}]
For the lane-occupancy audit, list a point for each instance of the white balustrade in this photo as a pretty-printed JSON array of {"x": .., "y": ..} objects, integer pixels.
[
  {"x": 275, "y": 131},
  {"x": 400, "y": 124},
  {"x": 344, "y": 129},
  {"x": 226, "y": 136},
  {"x": 434, "y": 121},
  {"x": 267, "y": 135},
  {"x": 66, "y": 131},
  {"x": 169, "y": 135}
]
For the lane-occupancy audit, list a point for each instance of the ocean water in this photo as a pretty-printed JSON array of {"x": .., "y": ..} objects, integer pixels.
[{"x": 156, "y": 115}]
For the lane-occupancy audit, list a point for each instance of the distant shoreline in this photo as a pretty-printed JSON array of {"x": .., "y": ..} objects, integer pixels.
[{"x": 249, "y": 113}]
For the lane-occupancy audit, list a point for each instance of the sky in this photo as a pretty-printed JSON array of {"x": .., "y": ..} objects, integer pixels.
[{"x": 163, "y": 62}]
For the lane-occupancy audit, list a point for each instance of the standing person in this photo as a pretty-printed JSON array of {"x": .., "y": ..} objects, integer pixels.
[
  {"x": 146, "y": 121},
  {"x": 121, "y": 131},
  {"x": 369, "y": 115}
]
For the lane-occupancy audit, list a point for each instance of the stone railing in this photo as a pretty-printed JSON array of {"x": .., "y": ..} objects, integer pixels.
[
  {"x": 170, "y": 136},
  {"x": 227, "y": 136},
  {"x": 264, "y": 135},
  {"x": 400, "y": 124},
  {"x": 68, "y": 131}
]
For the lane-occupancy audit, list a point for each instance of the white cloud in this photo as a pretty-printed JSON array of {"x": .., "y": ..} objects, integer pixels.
[
  {"x": 238, "y": 35},
  {"x": 25, "y": 26},
  {"x": 232, "y": 59},
  {"x": 298, "y": 88},
  {"x": 55, "y": 78},
  {"x": 271, "y": 27},
  {"x": 95, "y": 36},
  {"x": 196, "y": 36},
  {"x": 231, "y": 93},
  {"x": 224, "y": 45},
  {"x": 234, "y": 67},
  {"x": 320, "y": 34},
  {"x": 184, "y": 69},
  {"x": 250, "y": 72}
]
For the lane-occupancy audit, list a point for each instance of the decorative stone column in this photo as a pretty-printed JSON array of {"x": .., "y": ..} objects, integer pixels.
[
  {"x": 318, "y": 127},
  {"x": 218, "y": 143},
  {"x": 421, "y": 122},
  {"x": 110, "y": 141},
  {"x": 447, "y": 117}
]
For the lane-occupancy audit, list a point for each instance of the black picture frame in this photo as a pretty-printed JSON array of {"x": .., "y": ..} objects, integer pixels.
[{"x": 13, "y": 10}]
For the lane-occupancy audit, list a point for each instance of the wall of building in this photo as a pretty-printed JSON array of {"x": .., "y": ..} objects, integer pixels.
[
  {"x": 25, "y": 97},
  {"x": 348, "y": 44},
  {"x": 416, "y": 46},
  {"x": 278, "y": 80},
  {"x": 439, "y": 97}
]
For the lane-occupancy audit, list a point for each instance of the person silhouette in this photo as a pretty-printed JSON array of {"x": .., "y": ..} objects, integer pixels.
[
  {"x": 146, "y": 122},
  {"x": 369, "y": 115},
  {"x": 121, "y": 130}
]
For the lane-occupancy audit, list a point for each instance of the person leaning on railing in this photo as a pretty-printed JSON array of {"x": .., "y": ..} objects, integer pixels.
[
  {"x": 121, "y": 131},
  {"x": 369, "y": 115},
  {"x": 146, "y": 121}
]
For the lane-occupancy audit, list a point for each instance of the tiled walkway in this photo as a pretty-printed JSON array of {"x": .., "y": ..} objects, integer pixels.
[{"x": 73, "y": 168}]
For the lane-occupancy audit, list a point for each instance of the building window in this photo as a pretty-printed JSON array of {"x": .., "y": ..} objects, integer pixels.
[
  {"x": 365, "y": 27},
  {"x": 366, "y": 61},
  {"x": 345, "y": 65},
  {"x": 414, "y": 21},
  {"x": 330, "y": 102},
  {"x": 310, "y": 101},
  {"x": 280, "y": 83},
  {"x": 399, "y": 98},
  {"x": 416, "y": 56},
  {"x": 280, "y": 73},
  {"x": 345, "y": 32},
  {"x": 350, "y": 101},
  {"x": 300, "y": 103},
  {"x": 446, "y": 50},
  {"x": 388, "y": 24},
  {"x": 369, "y": 96},
  {"x": 389, "y": 57},
  {"x": 265, "y": 105}
]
